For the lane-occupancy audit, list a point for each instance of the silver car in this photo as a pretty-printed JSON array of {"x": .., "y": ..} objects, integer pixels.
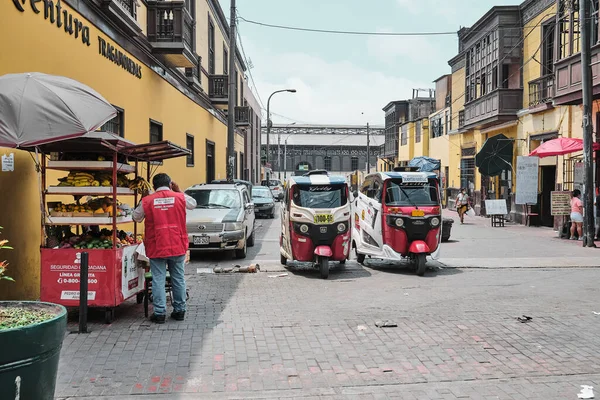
[{"x": 222, "y": 220}]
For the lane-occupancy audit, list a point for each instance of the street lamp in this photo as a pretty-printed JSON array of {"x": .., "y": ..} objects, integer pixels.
[
  {"x": 368, "y": 149},
  {"x": 284, "y": 153},
  {"x": 269, "y": 120}
]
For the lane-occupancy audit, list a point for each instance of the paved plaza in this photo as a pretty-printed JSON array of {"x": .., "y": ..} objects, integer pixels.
[{"x": 251, "y": 336}]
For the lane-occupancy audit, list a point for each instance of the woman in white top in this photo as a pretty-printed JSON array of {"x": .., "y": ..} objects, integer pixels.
[{"x": 462, "y": 204}]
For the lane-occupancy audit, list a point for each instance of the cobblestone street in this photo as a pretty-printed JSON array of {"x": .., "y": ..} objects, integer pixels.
[{"x": 256, "y": 336}]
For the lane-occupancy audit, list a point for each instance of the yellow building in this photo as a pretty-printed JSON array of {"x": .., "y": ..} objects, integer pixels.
[{"x": 163, "y": 65}]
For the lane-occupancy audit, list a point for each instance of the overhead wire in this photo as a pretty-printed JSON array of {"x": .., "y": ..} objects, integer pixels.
[{"x": 249, "y": 69}]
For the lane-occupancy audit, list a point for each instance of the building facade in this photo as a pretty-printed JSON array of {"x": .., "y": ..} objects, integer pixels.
[
  {"x": 340, "y": 150},
  {"x": 162, "y": 64},
  {"x": 517, "y": 72}
]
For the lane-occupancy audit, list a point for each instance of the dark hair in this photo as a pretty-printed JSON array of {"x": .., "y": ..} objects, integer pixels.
[
  {"x": 576, "y": 193},
  {"x": 161, "y": 180}
]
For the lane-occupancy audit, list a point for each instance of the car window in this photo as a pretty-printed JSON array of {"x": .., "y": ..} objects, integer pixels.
[
  {"x": 261, "y": 193},
  {"x": 216, "y": 198}
]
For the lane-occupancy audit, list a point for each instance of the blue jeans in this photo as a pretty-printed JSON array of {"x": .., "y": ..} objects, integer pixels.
[{"x": 158, "y": 267}]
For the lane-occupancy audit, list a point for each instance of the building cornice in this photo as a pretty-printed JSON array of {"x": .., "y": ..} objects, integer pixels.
[{"x": 533, "y": 8}]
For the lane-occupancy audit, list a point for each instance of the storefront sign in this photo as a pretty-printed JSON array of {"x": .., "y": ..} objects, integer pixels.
[
  {"x": 560, "y": 203},
  {"x": 132, "y": 277},
  {"x": 61, "y": 272},
  {"x": 495, "y": 207},
  {"x": 56, "y": 15},
  {"x": 8, "y": 162},
  {"x": 113, "y": 54},
  {"x": 527, "y": 180}
]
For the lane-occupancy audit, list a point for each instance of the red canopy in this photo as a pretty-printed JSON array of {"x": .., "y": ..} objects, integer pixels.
[{"x": 560, "y": 146}]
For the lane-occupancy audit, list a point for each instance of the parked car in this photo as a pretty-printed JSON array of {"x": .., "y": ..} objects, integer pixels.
[
  {"x": 223, "y": 219},
  {"x": 264, "y": 202},
  {"x": 276, "y": 187},
  {"x": 226, "y": 182}
]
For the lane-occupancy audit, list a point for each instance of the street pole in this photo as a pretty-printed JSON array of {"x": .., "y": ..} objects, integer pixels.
[
  {"x": 586, "y": 80},
  {"x": 269, "y": 125},
  {"x": 279, "y": 154},
  {"x": 285, "y": 160},
  {"x": 232, "y": 101},
  {"x": 368, "y": 150}
]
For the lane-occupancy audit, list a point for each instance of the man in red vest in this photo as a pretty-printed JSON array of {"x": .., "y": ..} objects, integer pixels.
[{"x": 166, "y": 243}]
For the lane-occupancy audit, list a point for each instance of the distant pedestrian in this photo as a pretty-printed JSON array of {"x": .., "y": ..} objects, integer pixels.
[
  {"x": 462, "y": 204},
  {"x": 576, "y": 215}
]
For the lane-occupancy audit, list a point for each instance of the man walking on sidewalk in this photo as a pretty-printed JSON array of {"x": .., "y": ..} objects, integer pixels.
[{"x": 166, "y": 243}]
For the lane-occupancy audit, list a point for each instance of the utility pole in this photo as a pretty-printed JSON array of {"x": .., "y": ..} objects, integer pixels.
[
  {"x": 368, "y": 150},
  {"x": 279, "y": 154},
  {"x": 232, "y": 100},
  {"x": 285, "y": 159},
  {"x": 586, "y": 80}
]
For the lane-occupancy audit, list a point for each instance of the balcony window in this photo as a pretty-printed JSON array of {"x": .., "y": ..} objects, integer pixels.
[
  {"x": 211, "y": 47},
  {"x": 568, "y": 25},
  {"x": 225, "y": 60},
  {"x": 482, "y": 67},
  {"x": 461, "y": 119},
  {"x": 548, "y": 33}
]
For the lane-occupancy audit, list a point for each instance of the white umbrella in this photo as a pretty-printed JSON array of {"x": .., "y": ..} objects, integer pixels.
[{"x": 37, "y": 108}]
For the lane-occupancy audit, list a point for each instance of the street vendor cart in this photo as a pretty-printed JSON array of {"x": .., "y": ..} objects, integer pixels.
[{"x": 102, "y": 169}]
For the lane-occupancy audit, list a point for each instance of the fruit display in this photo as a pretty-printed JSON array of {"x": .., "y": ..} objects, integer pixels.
[
  {"x": 140, "y": 185},
  {"x": 94, "y": 207},
  {"x": 93, "y": 179},
  {"x": 100, "y": 240}
]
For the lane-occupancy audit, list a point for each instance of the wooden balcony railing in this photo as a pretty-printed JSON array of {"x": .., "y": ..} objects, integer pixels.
[
  {"x": 541, "y": 91},
  {"x": 171, "y": 32},
  {"x": 218, "y": 86},
  {"x": 242, "y": 116}
]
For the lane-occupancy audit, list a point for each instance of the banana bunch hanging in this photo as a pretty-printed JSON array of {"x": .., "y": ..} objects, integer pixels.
[{"x": 140, "y": 185}]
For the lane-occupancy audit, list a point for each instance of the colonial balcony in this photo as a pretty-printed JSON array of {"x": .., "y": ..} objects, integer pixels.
[
  {"x": 242, "y": 116},
  {"x": 194, "y": 75},
  {"x": 170, "y": 32},
  {"x": 568, "y": 78},
  {"x": 124, "y": 13},
  {"x": 496, "y": 107},
  {"x": 218, "y": 87},
  {"x": 541, "y": 91}
]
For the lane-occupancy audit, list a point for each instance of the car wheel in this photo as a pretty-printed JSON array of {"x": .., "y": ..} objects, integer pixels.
[
  {"x": 251, "y": 240},
  {"x": 241, "y": 253}
]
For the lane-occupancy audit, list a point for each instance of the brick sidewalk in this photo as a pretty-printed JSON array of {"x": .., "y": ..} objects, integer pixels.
[
  {"x": 478, "y": 245},
  {"x": 251, "y": 336}
]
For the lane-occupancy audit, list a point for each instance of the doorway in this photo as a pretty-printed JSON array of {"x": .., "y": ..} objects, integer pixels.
[{"x": 548, "y": 186}]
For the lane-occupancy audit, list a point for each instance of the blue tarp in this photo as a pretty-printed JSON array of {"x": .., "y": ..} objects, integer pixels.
[{"x": 425, "y": 164}]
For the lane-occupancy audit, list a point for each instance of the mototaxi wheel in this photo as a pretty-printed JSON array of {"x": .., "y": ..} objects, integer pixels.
[
  {"x": 324, "y": 267},
  {"x": 421, "y": 264}
]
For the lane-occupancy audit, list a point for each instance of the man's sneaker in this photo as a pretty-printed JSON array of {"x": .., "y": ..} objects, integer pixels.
[
  {"x": 178, "y": 315},
  {"x": 158, "y": 319}
]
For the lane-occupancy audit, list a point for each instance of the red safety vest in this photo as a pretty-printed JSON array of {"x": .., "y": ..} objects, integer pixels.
[{"x": 166, "y": 232}]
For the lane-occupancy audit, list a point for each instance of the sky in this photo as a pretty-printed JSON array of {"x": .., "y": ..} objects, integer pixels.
[{"x": 348, "y": 79}]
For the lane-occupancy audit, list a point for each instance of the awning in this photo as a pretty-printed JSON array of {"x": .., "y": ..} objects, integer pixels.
[
  {"x": 90, "y": 142},
  {"x": 158, "y": 151}
]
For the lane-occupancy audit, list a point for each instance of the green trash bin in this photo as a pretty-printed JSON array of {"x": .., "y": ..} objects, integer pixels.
[{"x": 30, "y": 354}]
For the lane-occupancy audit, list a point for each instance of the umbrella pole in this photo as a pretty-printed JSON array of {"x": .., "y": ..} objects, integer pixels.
[{"x": 41, "y": 171}]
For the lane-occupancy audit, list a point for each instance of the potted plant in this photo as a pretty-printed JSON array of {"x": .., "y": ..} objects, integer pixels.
[{"x": 31, "y": 334}]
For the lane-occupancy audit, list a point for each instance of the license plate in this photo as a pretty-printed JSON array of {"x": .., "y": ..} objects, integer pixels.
[
  {"x": 418, "y": 213},
  {"x": 200, "y": 240},
  {"x": 323, "y": 219}
]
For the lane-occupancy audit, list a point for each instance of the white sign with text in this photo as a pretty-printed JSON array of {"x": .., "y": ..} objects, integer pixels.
[{"x": 527, "y": 180}]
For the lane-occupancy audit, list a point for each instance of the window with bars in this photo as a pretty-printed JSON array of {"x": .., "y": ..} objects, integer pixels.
[
  {"x": 327, "y": 163},
  {"x": 467, "y": 172},
  {"x": 461, "y": 119},
  {"x": 189, "y": 144},
  {"x": 225, "y": 60},
  {"x": 156, "y": 132},
  {"x": 437, "y": 128},
  {"x": 354, "y": 163},
  {"x": 116, "y": 126}
]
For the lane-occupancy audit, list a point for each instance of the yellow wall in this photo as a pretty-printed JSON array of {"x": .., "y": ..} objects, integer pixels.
[
  {"x": 43, "y": 47},
  {"x": 458, "y": 96}
]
